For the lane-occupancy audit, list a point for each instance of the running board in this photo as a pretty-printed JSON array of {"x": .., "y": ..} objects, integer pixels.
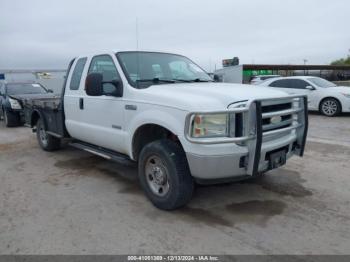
[{"x": 103, "y": 152}]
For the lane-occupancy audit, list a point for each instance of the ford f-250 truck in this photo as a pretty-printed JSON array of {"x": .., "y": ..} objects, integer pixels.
[{"x": 164, "y": 112}]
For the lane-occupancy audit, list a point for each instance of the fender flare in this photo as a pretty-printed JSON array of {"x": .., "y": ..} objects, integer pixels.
[
  {"x": 164, "y": 120},
  {"x": 41, "y": 116}
]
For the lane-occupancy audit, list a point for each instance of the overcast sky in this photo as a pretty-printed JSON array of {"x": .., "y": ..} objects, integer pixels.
[{"x": 47, "y": 34}]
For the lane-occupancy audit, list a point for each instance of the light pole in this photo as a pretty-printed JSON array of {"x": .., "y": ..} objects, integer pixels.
[{"x": 305, "y": 61}]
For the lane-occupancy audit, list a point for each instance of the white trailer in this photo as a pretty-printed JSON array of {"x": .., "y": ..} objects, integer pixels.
[{"x": 230, "y": 74}]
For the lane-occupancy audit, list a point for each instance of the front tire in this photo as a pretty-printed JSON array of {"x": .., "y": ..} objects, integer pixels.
[
  {"x": 330, "y": 107},
  {"x": 164, "y": 175},
  {"x": 11, "y": 119},
  {"x": 46, "y": 141}
]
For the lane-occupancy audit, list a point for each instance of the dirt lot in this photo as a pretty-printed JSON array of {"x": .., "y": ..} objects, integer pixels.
[{"x": 70, "y": 202}]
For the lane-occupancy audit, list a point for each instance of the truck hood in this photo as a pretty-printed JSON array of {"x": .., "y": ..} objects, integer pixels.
[
  {"x": 206, "y": 96},
  {"x": 340, "y": 89},
  {"x": 33, "y": 96}
]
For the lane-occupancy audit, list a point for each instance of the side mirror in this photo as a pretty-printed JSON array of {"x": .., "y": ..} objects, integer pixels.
[
  {"x": 49, "y": 90},
  {"x": 310, "y": 88},
  {"x": 93, "y": 84},
  {"x": 216, "y": 78}
]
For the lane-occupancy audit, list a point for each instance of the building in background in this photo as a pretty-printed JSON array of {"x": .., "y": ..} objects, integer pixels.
[{"x": 245, "y": 72}]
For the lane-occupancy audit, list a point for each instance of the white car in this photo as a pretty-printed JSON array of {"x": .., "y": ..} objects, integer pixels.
[
  {"x": 323, "y": 96},
  {"x": 261, "y": 78}
]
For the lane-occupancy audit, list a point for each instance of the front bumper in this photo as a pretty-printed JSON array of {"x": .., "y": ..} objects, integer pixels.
[
  {"x": 19, "y": 112},
  {"x": 251, "y": 158},
  {"x": 345, "y": 104}
]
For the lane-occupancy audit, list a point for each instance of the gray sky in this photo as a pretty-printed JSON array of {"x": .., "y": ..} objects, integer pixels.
[{"x": 46, "y": 34}]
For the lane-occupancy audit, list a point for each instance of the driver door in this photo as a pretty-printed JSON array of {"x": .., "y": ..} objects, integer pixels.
[{"x": 102, "y": 117}]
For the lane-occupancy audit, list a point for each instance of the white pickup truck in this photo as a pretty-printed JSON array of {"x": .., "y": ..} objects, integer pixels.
[{"x": 164, "y": 112}]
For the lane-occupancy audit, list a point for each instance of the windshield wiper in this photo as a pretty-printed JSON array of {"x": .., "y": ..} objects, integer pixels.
[
  {"x": 191, "y": 80},
  {"x": 181, "y": 80},
  {"x": 155, "y": 80}
]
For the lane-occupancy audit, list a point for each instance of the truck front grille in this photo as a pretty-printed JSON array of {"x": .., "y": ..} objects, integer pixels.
[
  {"x": 278, "y": 115},
  {"x": 277, "y": 107}
]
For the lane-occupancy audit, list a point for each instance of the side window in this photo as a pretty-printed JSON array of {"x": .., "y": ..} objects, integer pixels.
[
  {"x": 280, "y": 83},
  {"x": 104, "y": 65},
  {"x": 298, "y": 84},
  {"x": 77, "y": 73}
]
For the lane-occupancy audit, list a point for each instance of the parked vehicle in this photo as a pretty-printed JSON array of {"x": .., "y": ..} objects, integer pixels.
[
  {"x": 164, "y": 112},
  {"x": 323, "y": 96},
  {"x": 10, "y": 107},
  {"x": 261, "y": 78}
]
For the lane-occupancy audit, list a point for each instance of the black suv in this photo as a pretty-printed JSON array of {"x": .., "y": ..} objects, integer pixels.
[{"x": 11, "y": 109}]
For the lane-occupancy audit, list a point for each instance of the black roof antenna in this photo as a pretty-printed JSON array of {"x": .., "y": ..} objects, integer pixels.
[{"x": 137, "y": 50}]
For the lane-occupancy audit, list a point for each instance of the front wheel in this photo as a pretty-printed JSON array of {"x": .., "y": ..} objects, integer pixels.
[
  {"x": 46, "y": 141},
  {"x": 330, "y": 107},
  {"x": 164, "y": 175}
]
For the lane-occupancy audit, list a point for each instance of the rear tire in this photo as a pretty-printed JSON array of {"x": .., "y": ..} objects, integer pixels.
[
  {"x": 330, "y": 107},
  {"x": 46, "y": 141},
  {"x": 164, "y": 175},
  {"x": 11, "y": 119}
]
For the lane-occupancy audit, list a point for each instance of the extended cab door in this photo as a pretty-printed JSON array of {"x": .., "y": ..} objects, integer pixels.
[
  {"x": 72, "y": 95},
  {"x": 100, "y": 119}
]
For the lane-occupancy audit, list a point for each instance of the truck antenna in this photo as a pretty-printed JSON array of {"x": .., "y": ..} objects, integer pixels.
[
  {"x": 137, "y": 33},
  {"x": 137, "y": 49}
]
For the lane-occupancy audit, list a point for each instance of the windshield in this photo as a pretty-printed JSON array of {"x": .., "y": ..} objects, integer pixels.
[
  {"x": 148, "y": 68},
  {"x": 268, "y": 77},
  {"x": 320, "y": 82},
  {"x": 21, "y": 89}
]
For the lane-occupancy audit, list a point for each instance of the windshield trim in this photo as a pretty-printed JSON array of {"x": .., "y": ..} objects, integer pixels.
[{"x": 131, "y": 83}]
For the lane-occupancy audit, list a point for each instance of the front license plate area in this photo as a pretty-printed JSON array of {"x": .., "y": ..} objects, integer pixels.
[{"x": 277, "y": 159}]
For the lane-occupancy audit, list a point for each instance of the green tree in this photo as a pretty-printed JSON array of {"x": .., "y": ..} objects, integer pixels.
[{"x": 342, "y": 61}]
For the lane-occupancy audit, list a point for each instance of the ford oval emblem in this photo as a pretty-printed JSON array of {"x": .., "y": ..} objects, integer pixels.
[{"x": 275, "y": 119}]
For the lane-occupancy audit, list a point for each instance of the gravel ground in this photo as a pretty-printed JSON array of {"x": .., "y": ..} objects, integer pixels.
[{"x": 71, "y": 202}]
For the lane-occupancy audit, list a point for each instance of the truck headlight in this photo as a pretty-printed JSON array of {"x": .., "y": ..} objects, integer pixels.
[
  {"x": 15, "y": 104},
  {"x": 209, "y": 125}
]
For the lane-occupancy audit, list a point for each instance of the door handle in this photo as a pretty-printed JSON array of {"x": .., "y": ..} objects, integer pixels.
[{"x": 81, "y": 103}]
